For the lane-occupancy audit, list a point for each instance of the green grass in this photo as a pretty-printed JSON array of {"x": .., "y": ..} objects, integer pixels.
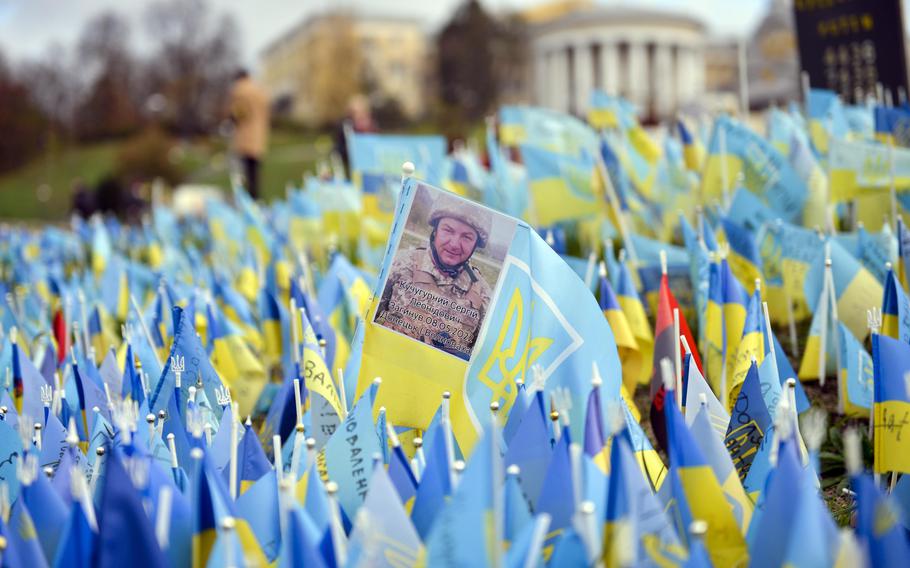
[
  {"x": 290, "y": 155},
  {"x": 58, "y": 170}
]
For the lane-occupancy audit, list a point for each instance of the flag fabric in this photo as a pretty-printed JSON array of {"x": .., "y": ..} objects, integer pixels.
[
  {"x": 634, "y": 310},
  {"x": 716, "y": 455},
  {"x": 634, "y": 530},
  {"x": 877, "y": 526},
  {"x": 749, "y": 423},
  {"x": 473, "y": 516},
  {"x": 562, "y": 187},
  {"x": 891, "y": 363},
  {"x": 735, "y": 150},
  {"x": 895, "y": 310},
  {"x": 855, "y": 385},
  {"x": 750, "y": 350},
  {"x": 629, "y": 354},
  {"x": 382, "y": 532},
  {"x": 124, "y": 529},
  {"x": 120, "y": 442},
  {"x": 725, "y": 542},
  {"x": 693, "y": 150},
  {"x": 537, "y": 313},
  {"x": 697, "y": 393}
]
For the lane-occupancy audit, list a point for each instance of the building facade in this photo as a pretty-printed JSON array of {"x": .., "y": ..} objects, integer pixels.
[
  {"x": 653, "y": 58},
  {"x": 314, "y": 69}
]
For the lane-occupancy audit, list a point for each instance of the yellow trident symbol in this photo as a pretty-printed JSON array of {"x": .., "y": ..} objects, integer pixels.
[{"x": 502, "y": 354}]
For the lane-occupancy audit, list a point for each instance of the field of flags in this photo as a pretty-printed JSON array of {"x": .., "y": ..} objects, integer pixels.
[{"x": 209, "y": 389}]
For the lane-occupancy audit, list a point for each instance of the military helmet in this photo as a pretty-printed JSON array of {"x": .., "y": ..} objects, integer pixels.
[{"x": 479, "y": 218}]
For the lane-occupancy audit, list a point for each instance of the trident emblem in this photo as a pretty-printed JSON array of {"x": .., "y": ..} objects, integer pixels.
[{"x": 178, "y": 366}]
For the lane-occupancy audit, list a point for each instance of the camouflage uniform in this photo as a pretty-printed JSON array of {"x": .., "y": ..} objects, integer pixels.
[{"x": 426, "y": 303}]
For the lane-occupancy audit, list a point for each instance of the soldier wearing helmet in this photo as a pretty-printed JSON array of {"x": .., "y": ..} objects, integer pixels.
[{"x": 433, "y": 293}]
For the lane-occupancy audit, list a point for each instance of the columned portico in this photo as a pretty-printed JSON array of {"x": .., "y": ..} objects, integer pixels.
[{"x": 654, "y": 59}]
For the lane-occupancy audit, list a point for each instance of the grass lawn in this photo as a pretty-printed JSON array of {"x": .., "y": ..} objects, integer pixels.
[
  {"x": 19, "y": 195},
  {"x": 290, "y": 155}
]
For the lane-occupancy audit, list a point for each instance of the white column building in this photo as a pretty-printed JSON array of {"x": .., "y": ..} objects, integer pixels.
[{"x": 653, "y": 58}]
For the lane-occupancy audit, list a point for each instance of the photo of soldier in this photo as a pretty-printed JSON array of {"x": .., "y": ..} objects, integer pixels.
[{"x": 442, "y": 276}]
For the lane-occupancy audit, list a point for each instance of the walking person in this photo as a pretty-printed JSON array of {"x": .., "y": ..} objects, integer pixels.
[{"x": 249, "y": 111}]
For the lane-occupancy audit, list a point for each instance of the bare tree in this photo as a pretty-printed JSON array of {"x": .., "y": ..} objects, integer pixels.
[
  {"x": 21, "y": 122},
  {"x": 54, "y": 86},
  {"x": 195, "y": 59},
  {"x": 108, "y": 108}
]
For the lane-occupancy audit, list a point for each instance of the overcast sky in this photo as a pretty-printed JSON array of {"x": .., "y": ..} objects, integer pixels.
[{"x": 28, "y": 27}]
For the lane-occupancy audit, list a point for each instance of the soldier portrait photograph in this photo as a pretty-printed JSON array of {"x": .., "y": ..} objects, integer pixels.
[{"x": 444, "y": 271}]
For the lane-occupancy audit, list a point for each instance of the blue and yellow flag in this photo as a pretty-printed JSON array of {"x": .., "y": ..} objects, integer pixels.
[
  {"x": 542, "y": 314},
  {"x": 706, "y": 499},
  {"x": 634, "y": 311},
  {"x": 891, "y": 124},
  {"x": 629, "y": 354},
  {"x": 376, "y": 161},
  {"x": 750, "y": 351},
  {"x": 856, "y": 372},
  {"x": 826, "y": 118},
  {"x": 563, "y": 187},
  {"x": 891, "y": 362},
  {"x": 878, "y": 526},
  {"x": 234, "y": 361},
  {"x": 895, "y": 310},
  {"x": 637, "y": 530},
  {"x": 382, "y": 528},
  {"x": 736, "y": 150},
  {"x": 863, "y": 168},
  {"x": 750, "y": 421},
  {"x": 693, "y": 149},
  {"x": 854, "y": 286}
]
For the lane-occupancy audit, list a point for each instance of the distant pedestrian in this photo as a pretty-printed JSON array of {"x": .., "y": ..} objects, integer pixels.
[
  {"x": 83, "y": 199},
  {"x": 249, "y": 111},
  {"x": 360, "y": 120}
]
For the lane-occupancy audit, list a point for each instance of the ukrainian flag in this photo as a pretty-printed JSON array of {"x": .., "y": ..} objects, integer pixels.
[
  {"x": 608, "y": 112},
  {"x": 891, "y": 363},
  {"x": 235, "y": 362},
  {"x": 826, "y": 118},
  {"x": 563, "y": 187},
  {"x": 854, "y": 286},
  {"x": 895, "y": 310},
  {"x": 714, "y": 342},
  {"x": 344, "y": 294},
  {"x": 376, "y": 161},
  {"x": 211, "y": 506},
  {"x": 820, "y": 337},
  {"x": 724, "y": 541},
  {"x": 890, "y": 121},
  {"x": 641, "y": 524},
  {"x": 736, "y": 150},
  {"x": 862, "y": 168},
  {"x": 693, "y": 150},
  {"x": 735, "y": 302},
  {"x": 750, "y": 351},
  {"x": 743, "y": 256},
  {"x": 903, "y": 254},
  {"x": 856, "y": 375},
  {"x": 634, "y": 311},
  {"x": 629, "y": 354}
]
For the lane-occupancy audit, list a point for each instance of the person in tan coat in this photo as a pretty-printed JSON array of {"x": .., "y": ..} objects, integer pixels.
[{"x": 249, "y": 111}]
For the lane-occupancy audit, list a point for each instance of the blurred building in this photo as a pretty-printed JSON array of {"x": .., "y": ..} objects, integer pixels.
[
  {"x": 654, "y": 58},
  {"x": 312, "y": 70},
  {"x": 772, "y": 58}
]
